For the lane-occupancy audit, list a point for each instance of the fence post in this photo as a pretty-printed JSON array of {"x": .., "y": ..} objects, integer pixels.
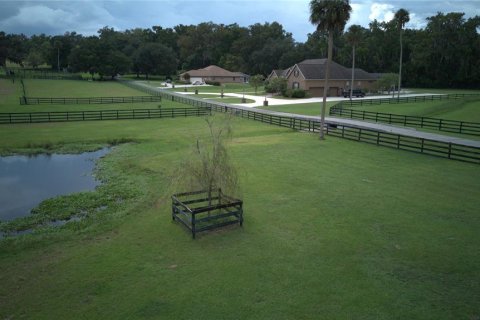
[{"x": 449, "y": 150}]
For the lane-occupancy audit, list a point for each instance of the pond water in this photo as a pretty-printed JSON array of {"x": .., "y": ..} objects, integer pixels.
[{"x": 26, "y": 181}]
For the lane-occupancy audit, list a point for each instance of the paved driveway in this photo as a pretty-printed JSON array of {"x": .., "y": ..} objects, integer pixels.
[{"x": 277, "y": 102}]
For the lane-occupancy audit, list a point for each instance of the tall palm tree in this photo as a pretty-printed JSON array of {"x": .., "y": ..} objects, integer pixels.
[
  {"x": 329, "y": 16},
  {"x": 401, "y": 17},
  {"x": 354, "y": 36}
]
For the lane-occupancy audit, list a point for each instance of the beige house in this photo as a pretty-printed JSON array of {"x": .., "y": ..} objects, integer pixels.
[
  {"x": 309, "y": 75},
  {"x": 213, "y": 73}
]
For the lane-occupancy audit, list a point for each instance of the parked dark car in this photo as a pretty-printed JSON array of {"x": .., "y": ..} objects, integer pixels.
[{"x": 356, "y": 93}]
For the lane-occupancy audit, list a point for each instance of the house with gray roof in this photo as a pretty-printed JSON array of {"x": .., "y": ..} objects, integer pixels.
[
  {"x": 277, "y": 73},
  {"x": 309, "y": 75},
  {"x": 213, "y": 73}
]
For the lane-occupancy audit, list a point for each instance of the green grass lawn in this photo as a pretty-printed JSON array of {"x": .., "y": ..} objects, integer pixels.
[
  {"x": 333, "y": 230},
  {"x": 309, "y": 109},
  {"x": 227, "y": 87},
  {"x": 78, "y": 89},
  {"x": 10, "y": 93},
  {"x": 467, "y": 109},
  {"x": 445, "y": 90}
]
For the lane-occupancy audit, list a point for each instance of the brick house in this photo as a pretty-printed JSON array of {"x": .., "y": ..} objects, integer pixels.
[
  {"x": 278, "y": 73},
  {"x": 309, "y": 75},
  {"x": 214, "y": 73}
]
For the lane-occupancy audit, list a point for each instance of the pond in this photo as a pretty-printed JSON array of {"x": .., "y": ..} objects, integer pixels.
[{"x": 25, "y": 181}]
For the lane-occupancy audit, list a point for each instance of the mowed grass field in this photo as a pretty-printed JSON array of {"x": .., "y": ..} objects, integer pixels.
[
  {"x": 333, "y": 229},
  {"x": 11, "y": 92},
  {"x": 467, "y": 109}
]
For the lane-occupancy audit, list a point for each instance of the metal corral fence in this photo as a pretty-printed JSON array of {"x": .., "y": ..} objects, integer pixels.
[
  {"x": 470, "y": 128},
  {"x": 59, "y": 116},
  {"x": 295, "y": 122},
  {"x": 92, "y": 100}
]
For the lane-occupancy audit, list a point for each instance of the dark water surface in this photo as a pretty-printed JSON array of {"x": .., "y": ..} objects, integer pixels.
[{"x": 27, "y": 181}]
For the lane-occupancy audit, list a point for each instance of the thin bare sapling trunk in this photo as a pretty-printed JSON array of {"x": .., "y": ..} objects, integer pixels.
[{"x": 209, "y": 167}]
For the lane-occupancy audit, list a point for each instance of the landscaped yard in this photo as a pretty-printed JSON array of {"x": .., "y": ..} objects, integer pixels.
[{"x": 333, "y": 229}]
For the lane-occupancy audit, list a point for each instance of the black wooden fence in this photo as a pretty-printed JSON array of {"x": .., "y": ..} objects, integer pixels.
[
  {"x": 424, "y": 98},
  {"x": 295, "y": 122},
  {"x": 470, "y": 128},
  {"x": 59, "y": 116},
  {"x": 92, "y": 100}
]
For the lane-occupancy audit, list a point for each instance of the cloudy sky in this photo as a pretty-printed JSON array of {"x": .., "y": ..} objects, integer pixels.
[{"x": 87, "y": 16}]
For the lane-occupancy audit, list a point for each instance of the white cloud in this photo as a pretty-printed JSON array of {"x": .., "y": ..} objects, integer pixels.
[{"x": 382, "y": 12}]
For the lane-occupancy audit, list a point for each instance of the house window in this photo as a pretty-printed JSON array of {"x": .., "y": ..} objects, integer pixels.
[
  {"x": 296, "y": 85},
  {"x": 233, "y": 78},
  {"x": 295, "y": 73}
]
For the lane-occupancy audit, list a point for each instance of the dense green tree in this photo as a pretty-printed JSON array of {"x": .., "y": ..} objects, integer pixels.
[
  {"x": 34, "y": 58},
  {"x": 113, "y": 62},
  {"x": 329, "y": 16},
  {"x": 276, "y": 85},
  {"x": 256, "y": 81},
  {"x": 84, "y": 57},
  {"x": 155, "y": 58},
  {"x": 3, "y": 49},
  {"x": 444, "y": 54}
]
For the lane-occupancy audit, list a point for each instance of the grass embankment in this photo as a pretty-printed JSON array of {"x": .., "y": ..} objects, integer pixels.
[
  {"x": 10, "y": 93},
  {"x": 309, "y": 109},
  {"x": 332, "y": 229}
]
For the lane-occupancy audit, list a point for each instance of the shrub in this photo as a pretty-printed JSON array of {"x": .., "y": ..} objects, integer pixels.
[
  {"x": 298, "y": 93},
  {"x": 213, "y": 83},
  {"x": 277, "y": 85},
  {"x": 295, "y": 93}
]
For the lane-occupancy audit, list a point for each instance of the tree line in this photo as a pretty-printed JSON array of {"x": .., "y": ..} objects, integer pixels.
[{"x": 446, "y": 53}]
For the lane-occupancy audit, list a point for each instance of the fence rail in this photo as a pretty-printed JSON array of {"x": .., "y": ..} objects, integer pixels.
[
  {"x": 424, "y": 98},
  {"x": 91, "y": 100},
  {"x": 464, "y": 127},
  {"x": 419, "y": 145},
  {"x": 470, "y": 128},
  {"x": 58, "y": 116}
]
